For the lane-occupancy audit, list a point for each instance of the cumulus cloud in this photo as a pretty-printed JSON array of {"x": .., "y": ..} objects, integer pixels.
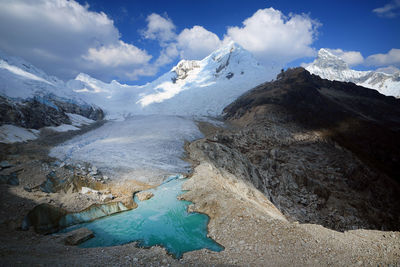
[
  {"x": 167, "y": 55},
  {"x": 352, "y": 58},
  {"x": 193, "y": 43},
  {"x": 272, "y": 36},
  {"x": 119, "y": 54},
  {"x": 159, "y": 28},
  {"x": 65, "y": 38},
  {"x": 390, "y": 58},
  {"x": 390, "y": 10},
  {"x": 268, "y": 34},
  {"x": 197, "y": 43}
]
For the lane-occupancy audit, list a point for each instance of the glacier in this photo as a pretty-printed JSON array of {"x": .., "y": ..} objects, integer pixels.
[
  {"x": 146, "y": 148},
  {"x": 331, "y": 67}
]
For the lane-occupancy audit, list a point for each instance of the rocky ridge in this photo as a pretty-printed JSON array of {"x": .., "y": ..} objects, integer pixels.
[{"x": 305, "y": 142}]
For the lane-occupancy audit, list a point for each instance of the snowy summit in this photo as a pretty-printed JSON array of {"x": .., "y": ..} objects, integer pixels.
[{"x": 331, "y": 67}]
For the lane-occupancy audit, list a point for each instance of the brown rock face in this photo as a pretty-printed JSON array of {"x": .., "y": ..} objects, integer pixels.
[{"x": 323, "y": 152}]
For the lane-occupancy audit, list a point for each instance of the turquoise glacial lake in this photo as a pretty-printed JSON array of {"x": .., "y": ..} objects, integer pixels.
[{"x": 162, "y": 220}]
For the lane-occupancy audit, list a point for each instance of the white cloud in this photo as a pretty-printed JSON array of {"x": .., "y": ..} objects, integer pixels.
[
  {"x": 352, "y": 58},
  {"x": 271, "y": 36},
  {"x": 65, "y": 38},
  {"x": 167, "y": 55},
  {"x": 390, "y": 10},
  {"x": 197, "y": 43},
  {"x": 119, "y": 54},
  {"x": 390, "y": 58},
  {"x": 159, "y": 28}
]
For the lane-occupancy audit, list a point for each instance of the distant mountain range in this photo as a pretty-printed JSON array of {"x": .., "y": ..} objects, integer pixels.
[
  {"x": 331, "y": 67},
  {"x": 32, "y": 99},
  {"x": 192, "y": 87}
]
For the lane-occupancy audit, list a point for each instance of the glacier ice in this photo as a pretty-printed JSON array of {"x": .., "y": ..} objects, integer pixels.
[{"x": 146, "y": 148}]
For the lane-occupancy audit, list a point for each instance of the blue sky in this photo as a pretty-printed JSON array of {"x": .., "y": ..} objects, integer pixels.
[{"x": 136, "y": 41}]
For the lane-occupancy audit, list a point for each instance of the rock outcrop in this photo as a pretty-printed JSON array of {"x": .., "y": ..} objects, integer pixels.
[
  {"x": 38, "y": 112},
  {"x": 142, "y": 196}
]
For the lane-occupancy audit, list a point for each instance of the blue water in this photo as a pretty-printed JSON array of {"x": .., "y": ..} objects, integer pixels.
[{"x": 162, "y": 220}]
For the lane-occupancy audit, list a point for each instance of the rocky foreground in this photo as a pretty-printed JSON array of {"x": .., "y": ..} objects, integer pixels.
[{"x": 282, "y": 186}]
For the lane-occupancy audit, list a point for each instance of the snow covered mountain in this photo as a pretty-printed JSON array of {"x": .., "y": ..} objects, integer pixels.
[
  {"x": 32, "y": 99},
  {"x": 21, "y": 80},
  {"x": 331, "y": 67},
  {"x": 191, "y": 88}
]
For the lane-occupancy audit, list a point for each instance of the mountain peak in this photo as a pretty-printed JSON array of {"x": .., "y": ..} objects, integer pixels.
[
  {"x": 228, "y": 49},
  {"x": 329, "y": 66},
  {"x": 326, "y": 59}
]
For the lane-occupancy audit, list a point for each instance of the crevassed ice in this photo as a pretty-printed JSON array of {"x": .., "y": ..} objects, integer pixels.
[{"x": 144, "y": 148}]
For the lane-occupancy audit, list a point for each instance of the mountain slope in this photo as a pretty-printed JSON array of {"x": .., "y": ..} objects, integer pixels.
[
  {"x": 316, "y": 149},
  {"x": 199, "y": 88},
  {"x": 32, "y": 99},
  {"x": 331, "y": 67}
]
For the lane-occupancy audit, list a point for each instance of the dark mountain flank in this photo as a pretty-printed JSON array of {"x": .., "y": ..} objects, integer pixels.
[
  {"x": 359, "y": 119},
  {"x": 39, "y": 112},
  {"x": 324, "y": 152}
]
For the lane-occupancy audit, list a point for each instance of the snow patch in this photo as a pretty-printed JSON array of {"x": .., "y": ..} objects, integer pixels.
[
  {"x": 12, "y": 134},
  {"x": 62, "y": 128},
  {"x": 78, "y": 120},
  {"x": 20, "y": 72}
]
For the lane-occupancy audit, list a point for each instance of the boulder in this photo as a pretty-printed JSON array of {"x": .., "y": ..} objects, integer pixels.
[
  {"x": 78, "y": 236},
  {"x": 44, "y": 218},
  {"x": 144, "y": 195}
]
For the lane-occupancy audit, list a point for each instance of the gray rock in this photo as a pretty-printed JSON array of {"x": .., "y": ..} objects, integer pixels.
[
  {"x": 10, "y": 179},
  {"x": 78, "y": 236},
  {"x": 5, "y": 164}
]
